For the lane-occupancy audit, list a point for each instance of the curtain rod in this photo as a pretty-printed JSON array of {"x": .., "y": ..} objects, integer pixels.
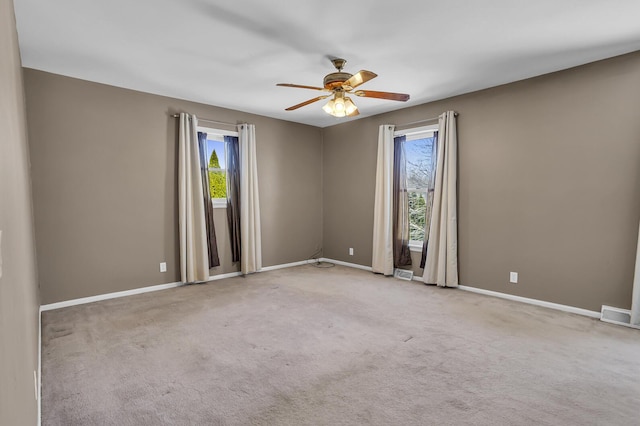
[
  {"x": 422, "y": 121},
  {"x": 208, "y": 121}
]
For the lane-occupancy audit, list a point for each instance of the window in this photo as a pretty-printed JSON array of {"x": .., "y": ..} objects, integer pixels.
[
  {"x": 216, "y": 156},
  {"x": 420, "y": 152}
]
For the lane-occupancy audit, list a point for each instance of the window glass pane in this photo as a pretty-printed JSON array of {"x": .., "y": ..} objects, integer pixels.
[
  {"x": 417, "y": 215},
  {"x": 215, "y": 154},
  {"x": 218, "y": 184},
  {"x": 216, "y": 159},
  {"x": 419, "y": 162}
]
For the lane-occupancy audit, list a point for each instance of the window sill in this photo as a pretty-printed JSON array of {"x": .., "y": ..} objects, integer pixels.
[
  {"x": 416, "y": 246},
  {"x": 219, "y": 203}
]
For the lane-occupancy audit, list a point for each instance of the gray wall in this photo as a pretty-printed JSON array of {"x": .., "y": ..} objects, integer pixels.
[
  {"x": 548, "y": 184},
  {"x": 105, "y": 196},
  {"x": 18, "y": 283}
]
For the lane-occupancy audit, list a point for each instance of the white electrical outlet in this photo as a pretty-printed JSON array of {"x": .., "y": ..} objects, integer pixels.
[
  {"x": 513, "y": 277},
  {"x": 350, "y": 251},
  {"x": 163, "y": 267}
]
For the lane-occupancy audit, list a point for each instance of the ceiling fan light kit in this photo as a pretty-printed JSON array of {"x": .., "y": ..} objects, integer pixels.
[
  {"x": 341, "y": 106},
  {"x": 341, "y": 83}
]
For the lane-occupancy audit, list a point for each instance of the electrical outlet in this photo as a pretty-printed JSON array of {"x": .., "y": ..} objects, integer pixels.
[
  {"x": 350, "y": 251},
  {"x": 513, "y": 277},
  {"x": 163, "y": 267}
]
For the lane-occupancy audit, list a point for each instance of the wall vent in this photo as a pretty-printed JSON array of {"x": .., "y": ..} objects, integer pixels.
[
  {"x": 403, "y": 274},
  {"x": 615, "y": 315}
]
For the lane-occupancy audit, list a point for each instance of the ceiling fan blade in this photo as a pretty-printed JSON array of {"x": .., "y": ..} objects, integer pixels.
[
  {"x": 310, "y": 101},
  {"x": 300, "y": 86},
  {"x": 403, "y": 97},
  {"x": 358, "y": 78}
]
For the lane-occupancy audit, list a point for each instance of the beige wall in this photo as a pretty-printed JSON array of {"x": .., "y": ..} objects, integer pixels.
[
  {"x": 18, "y": 283},
  {"x": 105, "y": 196},
  {"x": 548, "y": 184}
]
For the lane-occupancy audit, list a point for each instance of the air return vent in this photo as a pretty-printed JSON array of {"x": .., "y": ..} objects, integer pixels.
[
  {"x": 403, "y": 274},
  {"x": 615, "y": 315}
]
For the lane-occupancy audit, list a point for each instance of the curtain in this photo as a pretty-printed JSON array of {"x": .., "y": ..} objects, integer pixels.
[
  {"x": 441, "y": 265},
  {"x": 212, "y": 245},
  {"x": 250, "y": 234},
  {"x": 194, "y": 262},
  {"x": 233, "y": 194},
  {"x": 429, "y": 198},
  {"x": 382, "y": 256},
  {"x": 401, "y": 252}
]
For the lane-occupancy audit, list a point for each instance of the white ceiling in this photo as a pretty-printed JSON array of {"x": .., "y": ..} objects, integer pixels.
[{"x": 232, "y": 53}]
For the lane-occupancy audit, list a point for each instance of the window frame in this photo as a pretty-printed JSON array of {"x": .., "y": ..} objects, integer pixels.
[
  {"x": 218, "y": 135},
  {"x": 415, "y": 133}
]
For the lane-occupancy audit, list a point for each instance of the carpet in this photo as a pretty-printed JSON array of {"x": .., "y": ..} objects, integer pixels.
[{"x": 337, "y": 346}]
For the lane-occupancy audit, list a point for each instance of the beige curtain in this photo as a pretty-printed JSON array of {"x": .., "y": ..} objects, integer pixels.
[
  {"x": 441, "y": 265},
  {"x": 194, "y": 258},
  {"x": 382, "y": 258},
  {"x": 250, "y": 234}
]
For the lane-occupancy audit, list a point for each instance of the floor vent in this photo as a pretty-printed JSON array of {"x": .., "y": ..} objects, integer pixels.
[
  {"x": 615, "y": 315},
  {"x": 403, "y": 274}
]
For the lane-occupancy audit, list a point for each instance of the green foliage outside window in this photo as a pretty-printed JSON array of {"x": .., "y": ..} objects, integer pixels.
[{"x": 217, "y": 179}]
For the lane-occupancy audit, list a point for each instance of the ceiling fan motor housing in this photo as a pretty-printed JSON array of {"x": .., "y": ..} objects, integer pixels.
[{"x": 335, "y": 79}]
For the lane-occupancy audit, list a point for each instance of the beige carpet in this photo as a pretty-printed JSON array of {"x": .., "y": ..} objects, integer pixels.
[{"x": 308, "y": 346}]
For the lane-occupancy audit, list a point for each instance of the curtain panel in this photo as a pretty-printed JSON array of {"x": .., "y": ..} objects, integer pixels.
[
  {"x": 441, "y": 264},
  {"x": 382, "y": 256},
  {"x": 401, "y": 252},
  {"x": 250, "y": 230},
  {"x": 194, "y": 259},
  {"x": 430, "y": 191},
  {"x": 233, "y": 194},
  {"x": 212, "y": 245}
]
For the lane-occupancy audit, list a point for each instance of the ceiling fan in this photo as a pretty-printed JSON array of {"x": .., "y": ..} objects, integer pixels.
[{"x": 339, "y": 85}]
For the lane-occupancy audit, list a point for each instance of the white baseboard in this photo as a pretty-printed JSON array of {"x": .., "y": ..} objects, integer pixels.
[
  {"x": 285, "y": 265},
  {"x": 351, "y": 265},
  {"x": 141, "y": 290},
  {"x": 557, "y": 306},
  {"x": 263, "y": 269},
  {"x": 223, "y": 276},
  {"x": 107, "y": 296}
]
